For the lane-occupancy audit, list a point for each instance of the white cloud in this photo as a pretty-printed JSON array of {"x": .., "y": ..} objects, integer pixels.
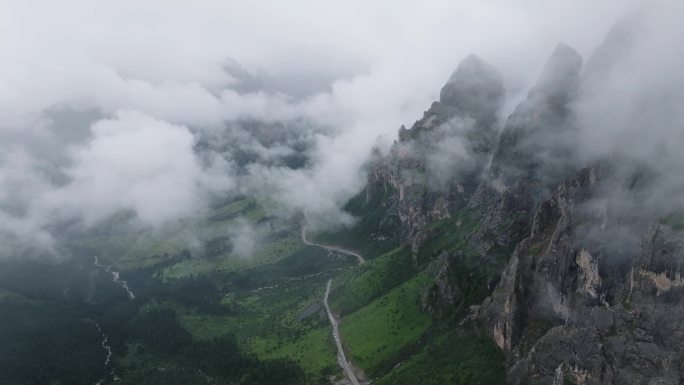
[
  {"x": 133, "y": 162},
  {"x": 358, "y": 69}
]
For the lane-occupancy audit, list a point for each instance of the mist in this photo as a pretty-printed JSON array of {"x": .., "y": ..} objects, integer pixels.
[{"x": 154, "y": 109}]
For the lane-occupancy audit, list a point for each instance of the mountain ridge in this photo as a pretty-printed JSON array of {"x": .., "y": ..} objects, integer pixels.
[{"x": 561, "y": 280}]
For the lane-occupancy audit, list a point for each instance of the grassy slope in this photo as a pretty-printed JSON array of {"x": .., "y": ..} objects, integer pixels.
[
  {"x": 357, "y": 287},
  {"x": 454, "y": 357},
  {"x": 314, "y": 351},
  {"x": 377, "y": 334},
  {"x": 267, "y": 322},
  {"x": 384, "y": 323},
  {"x": 263, "y": 313}
]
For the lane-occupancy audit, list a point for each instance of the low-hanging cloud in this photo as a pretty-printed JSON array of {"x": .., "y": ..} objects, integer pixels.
[
  {"x": 132, "y": 162},
  {"x": 150, "y": 90},
  {"x": 629, "y": 112}
]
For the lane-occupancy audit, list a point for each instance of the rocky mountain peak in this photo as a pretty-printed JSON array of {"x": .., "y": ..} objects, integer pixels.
[
  {"x": 535, "y": 137},
  {"x": 436, "y": 164},
  {"x": 475, "y": 89},
  {"x": 603, "y": 60},
  {"x": 560, "y": 76}
]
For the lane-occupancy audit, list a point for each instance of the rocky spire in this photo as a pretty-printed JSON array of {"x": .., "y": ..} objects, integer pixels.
[
  {"x": 615, "y": 46},
  {"x": 535, "y": 138},
  {"x": 474, "y": 90},
  {"x": 560, "y": 77}
]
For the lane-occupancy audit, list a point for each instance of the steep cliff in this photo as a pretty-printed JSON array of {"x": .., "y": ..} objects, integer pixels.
[
  {"x": 550, "y": 253},
  {"x": 436, "y": 165},
  {"x": 582, "y": 300},
  {"x": 567, "y": 310}
]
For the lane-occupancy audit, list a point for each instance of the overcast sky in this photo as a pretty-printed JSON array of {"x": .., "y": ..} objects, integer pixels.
[{"x": 101, "y": 101}]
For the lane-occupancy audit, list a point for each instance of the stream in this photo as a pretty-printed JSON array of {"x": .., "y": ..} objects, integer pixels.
[
  {"x": 116, "y": 278},
  {"x": 108, "y": 356}
]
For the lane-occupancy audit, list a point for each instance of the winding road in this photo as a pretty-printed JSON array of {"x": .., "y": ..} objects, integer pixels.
[
  {"x": 341, "y": 357},
  {"x": 326, "y": 246}
]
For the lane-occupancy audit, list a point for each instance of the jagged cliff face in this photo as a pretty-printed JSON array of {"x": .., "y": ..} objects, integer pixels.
[
  {"x": 537, "y": 135},
  {"x": 574, "y": 305},
  {"x": 566, "y": 310},
  {"x": 436, "y": 165},
  {"x": 592, "y": 293},
  {"x": 533, "y": 142}
]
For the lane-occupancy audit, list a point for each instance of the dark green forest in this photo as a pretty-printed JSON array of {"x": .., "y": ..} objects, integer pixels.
[{"x": 49, "y": 332}]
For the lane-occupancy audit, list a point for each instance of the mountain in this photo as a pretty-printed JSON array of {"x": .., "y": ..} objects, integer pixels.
[{"x": 525, "y": 241}]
